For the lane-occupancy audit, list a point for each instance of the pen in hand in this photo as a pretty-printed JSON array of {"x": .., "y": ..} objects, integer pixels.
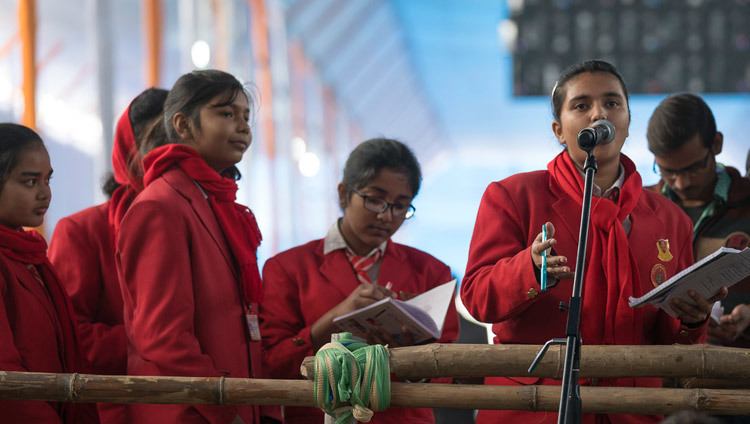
[
  {"x": 544, "y": 258},
  {"x": 389, "y": 286}
]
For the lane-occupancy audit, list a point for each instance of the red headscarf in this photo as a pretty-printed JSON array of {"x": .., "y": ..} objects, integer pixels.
[
  {"x": 236, "y": 221},
  {"x": 611, "y": 274},
  {"x": 124, "y": 156}
]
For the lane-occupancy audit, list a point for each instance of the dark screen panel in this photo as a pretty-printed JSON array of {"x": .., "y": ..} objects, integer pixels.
[{"x": 660, "y": 46}]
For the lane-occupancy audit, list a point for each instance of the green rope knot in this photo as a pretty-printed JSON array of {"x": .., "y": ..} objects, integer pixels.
[{"x": 352, "y": 379}]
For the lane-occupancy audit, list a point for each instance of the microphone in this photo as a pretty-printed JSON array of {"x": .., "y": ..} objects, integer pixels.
[{"x": 602, "y": 132}]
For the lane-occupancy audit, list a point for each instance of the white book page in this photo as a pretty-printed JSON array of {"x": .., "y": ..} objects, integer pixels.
[
  {"x": 724, "y": 267},
  {"x": 436, "y": 302}
]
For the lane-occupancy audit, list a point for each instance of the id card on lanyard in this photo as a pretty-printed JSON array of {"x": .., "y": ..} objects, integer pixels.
[{"x": 253, "y": 326}]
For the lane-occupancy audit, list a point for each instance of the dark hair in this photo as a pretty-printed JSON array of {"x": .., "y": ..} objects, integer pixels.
[
  {"x": 367, "y": 159},
  {"x": 589, "y": 66},
  {"x": 188, "y": 95},
  {"x": 676, "y": 120},
  {"x": 14, "y": 140},
  {"x": 144, "y": 111},
  {"x": 194, "y": 90},
  {"x": 110, "y": 184}
]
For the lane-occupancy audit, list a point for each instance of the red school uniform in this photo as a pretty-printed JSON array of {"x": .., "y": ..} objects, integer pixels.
[
  {"x": 37, "y": 330},
  {"x": 184, "y": 309},
  {"x": 83, "y": 252},
  {"x": 501, "y": 285},
  {"x": 303, "y": 283}
]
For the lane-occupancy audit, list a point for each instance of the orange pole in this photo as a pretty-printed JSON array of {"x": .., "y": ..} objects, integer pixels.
[
  {"x": 221, "y": 54},
  {"x": 153, "y": 26},
  {"x": 298, "y": 70},
  {"x": 27, "y": 30},
  {"x": 259, "y": 40}
]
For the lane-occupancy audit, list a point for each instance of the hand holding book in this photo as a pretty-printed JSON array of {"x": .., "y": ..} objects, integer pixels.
[
  {"x": 361, "y": 296},
  {"x": 705, "y": 278},
  {"x": 698, "y": 309},
  {"x": 421, "y": 316}
]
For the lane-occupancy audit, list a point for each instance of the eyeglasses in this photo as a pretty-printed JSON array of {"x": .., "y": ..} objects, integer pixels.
[
  {"x": 377, "y": 205},
  {"x": 688, "y": 171}
]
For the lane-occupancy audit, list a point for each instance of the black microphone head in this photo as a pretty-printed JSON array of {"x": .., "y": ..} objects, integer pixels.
[
  {"x": 610, "y": 131},
  {"x": 587, "y": 138},
  {"x": 600, "y": 132}
]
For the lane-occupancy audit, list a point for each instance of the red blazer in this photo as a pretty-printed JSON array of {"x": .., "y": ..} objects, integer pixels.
[
  {"x": 302, "y": 284},
  {"x": 183, "y": 313},
  {"x": 30, "y": 341},
  {"x": 501, "y": 286},
  {"x": 83, "y": 253}
]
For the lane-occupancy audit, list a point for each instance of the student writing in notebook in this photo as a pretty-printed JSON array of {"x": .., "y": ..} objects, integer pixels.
[{"x": 309, "y": 285}]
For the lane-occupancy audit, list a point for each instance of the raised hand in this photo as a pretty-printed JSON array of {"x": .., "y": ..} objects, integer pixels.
[{"x": 556, "y": 265}]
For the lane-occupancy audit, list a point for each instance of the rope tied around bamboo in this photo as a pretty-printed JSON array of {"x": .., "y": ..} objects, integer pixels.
[{"x": 349, "y": 377}]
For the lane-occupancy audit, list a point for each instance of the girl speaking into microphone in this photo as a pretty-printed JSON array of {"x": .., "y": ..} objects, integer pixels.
[{"x": 503, "y": 275}]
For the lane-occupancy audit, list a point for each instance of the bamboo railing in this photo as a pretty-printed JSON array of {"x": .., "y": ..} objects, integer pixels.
[
  {"x": 440, "y": 360},
  {"x": 463, "y": 360},
  {"x": 235, "y": 391}
]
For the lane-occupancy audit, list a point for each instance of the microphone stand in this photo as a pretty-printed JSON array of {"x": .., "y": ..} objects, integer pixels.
[{"x": 570, "y": 393}]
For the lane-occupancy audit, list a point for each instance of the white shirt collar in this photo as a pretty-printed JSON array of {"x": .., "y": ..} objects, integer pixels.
[{"x": 619, "y": 182}]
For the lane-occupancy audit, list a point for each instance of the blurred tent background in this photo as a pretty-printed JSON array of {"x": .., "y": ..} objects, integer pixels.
[{"x": 463, "y": 82}]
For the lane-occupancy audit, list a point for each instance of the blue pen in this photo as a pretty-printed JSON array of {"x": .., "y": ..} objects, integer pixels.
[{"x": 544, "y": 258}]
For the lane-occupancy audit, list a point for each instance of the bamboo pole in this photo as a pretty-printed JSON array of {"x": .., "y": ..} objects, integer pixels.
[
  {"x": 153, "y": 389},
  {"x": 233, "y": 391},
  {"x": 470, "y": 360},
  {"x": 707, "y": 383}
]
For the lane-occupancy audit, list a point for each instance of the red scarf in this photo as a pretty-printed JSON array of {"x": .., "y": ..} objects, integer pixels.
[
  {"x": 124, "y": 158},
  {"x": 236, "y": 221},
  {"x": 29, "y": 247},
  {"x": 611, "y": 271}
]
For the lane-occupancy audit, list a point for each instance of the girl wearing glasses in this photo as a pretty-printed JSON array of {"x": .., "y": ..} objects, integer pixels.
[
  {"x": 310, "y": 285},
  {"x": 502, "y": 281}
]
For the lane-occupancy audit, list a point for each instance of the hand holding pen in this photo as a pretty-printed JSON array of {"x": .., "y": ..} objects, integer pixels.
[{"x": 556, "y": 265}]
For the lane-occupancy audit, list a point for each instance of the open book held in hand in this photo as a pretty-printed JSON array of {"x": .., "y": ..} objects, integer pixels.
[
  {"x": 423, "y": 315},
  {"x": 724, "y": 267}
]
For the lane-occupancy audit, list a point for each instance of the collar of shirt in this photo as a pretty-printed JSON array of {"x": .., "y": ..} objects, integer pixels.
[
  {"x": 611, "y": 192},
  {"x": 721, "y": 194},
  {"x": 205, "y": 196},
  {"x": 335, "y": 240}
]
